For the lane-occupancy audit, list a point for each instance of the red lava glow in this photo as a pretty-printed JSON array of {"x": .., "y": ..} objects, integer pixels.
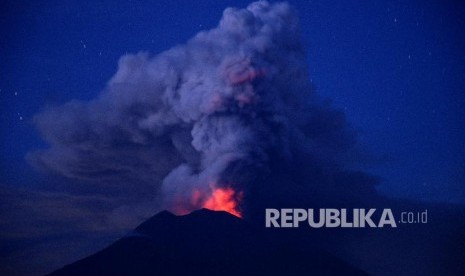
[{"x": 224, "y": 199}]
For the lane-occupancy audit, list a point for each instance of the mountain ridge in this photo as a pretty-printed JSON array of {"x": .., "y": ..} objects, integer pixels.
[{"x": 207, "y": 242}]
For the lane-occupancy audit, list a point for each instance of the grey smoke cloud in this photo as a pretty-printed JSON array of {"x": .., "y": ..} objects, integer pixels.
[{"x": 237, "y": 96}]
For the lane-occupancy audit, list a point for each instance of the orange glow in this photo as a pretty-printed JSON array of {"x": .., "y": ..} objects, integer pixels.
[{"x": 224, "y": 199}]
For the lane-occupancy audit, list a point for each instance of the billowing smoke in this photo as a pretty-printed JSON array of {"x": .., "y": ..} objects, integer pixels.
[{"x": 233, "y": 108}]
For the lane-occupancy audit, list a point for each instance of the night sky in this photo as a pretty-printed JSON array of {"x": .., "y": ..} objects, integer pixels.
[{"x": 396, "y": 69}]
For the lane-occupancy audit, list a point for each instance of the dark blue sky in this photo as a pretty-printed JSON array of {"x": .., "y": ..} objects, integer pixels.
[{"x": 396, "y": 68}]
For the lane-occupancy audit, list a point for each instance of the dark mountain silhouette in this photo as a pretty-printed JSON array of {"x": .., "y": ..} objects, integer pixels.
[{"x": 208, "y": 242}]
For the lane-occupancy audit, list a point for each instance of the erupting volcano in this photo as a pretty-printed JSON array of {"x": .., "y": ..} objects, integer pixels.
[
  {"x": 224, "y": 199},
  {"x": 214, "y": 198},
  {"x": 231, "y": 111}
]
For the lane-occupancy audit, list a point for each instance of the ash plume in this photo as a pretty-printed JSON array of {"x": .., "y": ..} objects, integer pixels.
[{"x": 233, "y": 107}]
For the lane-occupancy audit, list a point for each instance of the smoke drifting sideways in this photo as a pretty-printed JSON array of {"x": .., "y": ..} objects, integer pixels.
[{"x": 233, "y": 108}]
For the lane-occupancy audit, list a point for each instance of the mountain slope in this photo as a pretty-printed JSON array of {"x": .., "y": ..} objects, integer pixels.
[{"x": 207, "y": 243}]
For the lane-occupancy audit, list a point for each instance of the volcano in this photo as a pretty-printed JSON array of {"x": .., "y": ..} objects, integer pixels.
[{"x": 207, "y": 242}]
